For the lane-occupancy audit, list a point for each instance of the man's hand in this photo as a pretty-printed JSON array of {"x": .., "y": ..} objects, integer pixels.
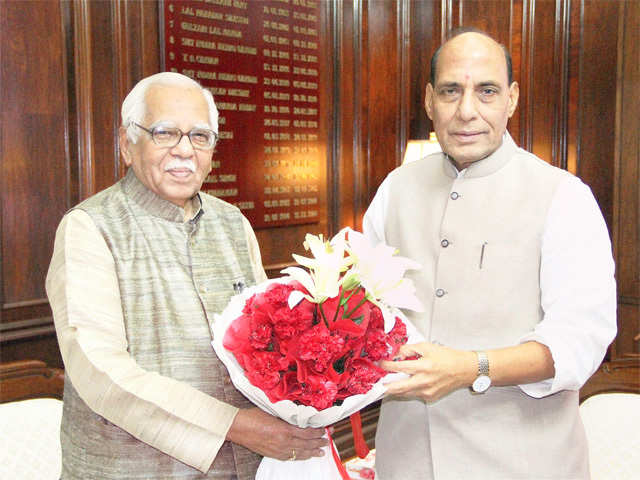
[
  {"x": 271, "y": 437},
  {"x": 438, "y": 371}
]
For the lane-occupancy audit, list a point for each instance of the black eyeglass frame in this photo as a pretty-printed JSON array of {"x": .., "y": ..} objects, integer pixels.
[{"x": 182, "y": 134}]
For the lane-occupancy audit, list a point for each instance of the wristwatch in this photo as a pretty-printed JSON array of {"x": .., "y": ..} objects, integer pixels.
[{"x": 482, "y": 382}]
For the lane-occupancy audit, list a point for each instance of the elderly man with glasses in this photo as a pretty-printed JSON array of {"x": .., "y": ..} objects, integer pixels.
[{"x": 137, "y": 273}]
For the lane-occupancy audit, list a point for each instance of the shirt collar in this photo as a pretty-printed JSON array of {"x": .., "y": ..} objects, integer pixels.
[
  {"x": 153, "y": 204},
  {"x": 486, "y": 166}
]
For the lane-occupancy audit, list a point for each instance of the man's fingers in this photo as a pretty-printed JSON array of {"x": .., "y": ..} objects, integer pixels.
[
  {"x": 307, "y": 454},
  {"x": 409, "y": 367},
  {"x": 407, "y": 351},
  {"x": 316, "y": 443},
  {"x": 401, "y": 387},
  {"x": 308, "y": 433}
]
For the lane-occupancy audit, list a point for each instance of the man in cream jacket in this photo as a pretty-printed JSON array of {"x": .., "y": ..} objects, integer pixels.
[{"x": 518, "y": 284}]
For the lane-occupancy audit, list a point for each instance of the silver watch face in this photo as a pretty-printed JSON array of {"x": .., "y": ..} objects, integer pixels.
[{"x": 481, "y": 384}]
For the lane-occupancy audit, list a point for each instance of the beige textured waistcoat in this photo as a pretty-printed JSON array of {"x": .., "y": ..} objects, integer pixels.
[
  {"x": 163, "y": 265},
  {"x": 478, "y": 238}
]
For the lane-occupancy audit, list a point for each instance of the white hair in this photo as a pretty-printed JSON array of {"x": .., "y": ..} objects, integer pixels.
[{"x": 134, "y": 105}]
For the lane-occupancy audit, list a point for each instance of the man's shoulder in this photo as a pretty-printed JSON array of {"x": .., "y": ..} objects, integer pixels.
[
  {"x": 531, "y": 161},
  {"x": 101, "y": 199},
  {"x": 418, "y": 168},
  {"x": 211, "y": 203}
]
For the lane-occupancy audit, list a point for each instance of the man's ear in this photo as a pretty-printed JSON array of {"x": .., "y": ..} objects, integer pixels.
[
  {"x": 514, "y": 94},
  {"x": 428, "y": 100},
  {"x": 125, "y": 146}
]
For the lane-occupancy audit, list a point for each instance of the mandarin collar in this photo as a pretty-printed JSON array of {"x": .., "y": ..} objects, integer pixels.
[
  {"x": 138, "y": 192},
  {"x": 486, "y": 166}
]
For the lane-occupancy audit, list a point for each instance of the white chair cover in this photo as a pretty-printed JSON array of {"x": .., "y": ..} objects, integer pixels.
[
  {"x": 30, "y": 439},
  {"x": 612, "y": 423}
]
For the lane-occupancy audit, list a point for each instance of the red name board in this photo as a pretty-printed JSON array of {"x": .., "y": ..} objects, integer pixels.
[{"x": 260, "y": 61}]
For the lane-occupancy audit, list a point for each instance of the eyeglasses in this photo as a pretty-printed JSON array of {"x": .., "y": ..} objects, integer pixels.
[{"x": 169, "y": 137}]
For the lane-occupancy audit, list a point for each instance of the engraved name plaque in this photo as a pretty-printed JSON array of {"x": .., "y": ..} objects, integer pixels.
[{"x": 260, "y": 60}]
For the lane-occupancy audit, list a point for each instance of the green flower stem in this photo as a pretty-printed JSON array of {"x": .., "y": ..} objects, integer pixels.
[
  {"x": 323, "y": 316},
  {"x": 335, "y": 315},
  {"x": 353, "y": 292},
  {"x": 350, "y": 312}
]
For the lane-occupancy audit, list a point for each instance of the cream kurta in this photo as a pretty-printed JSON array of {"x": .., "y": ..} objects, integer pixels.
[{"x": 479, "y": 237}]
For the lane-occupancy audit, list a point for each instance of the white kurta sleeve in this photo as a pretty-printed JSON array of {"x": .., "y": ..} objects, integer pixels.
[
  {"x": 83, "y": 290},
  {"x": 374, "y": 217},
  {"x": 578, "y": 290}
]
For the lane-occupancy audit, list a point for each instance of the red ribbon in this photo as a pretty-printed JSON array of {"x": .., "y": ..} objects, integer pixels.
[
  {"x": 336, "y": 458},
  {"x": 362, "y": 449}
]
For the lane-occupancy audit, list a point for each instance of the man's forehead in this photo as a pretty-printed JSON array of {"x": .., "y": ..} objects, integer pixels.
[
  {"x": 170, "y": 101},
  {"x": 174, "y": 93},
  {"x": 474, "y": 57}
]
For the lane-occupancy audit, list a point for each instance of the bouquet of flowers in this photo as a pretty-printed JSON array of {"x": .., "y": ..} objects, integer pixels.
[{"x": 304, "y": 347}]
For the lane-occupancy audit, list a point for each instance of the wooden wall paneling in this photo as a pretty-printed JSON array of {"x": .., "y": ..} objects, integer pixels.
[
  {"x": 104, "y": 111},
  {"x": 597, "y": 100},
  {"x": 626, "y": 212},
  {"x": 493, "y": 17},
  {"x": 561, "y": 69},
  {"x": 150, "y": 39},
  {"x": 33, "y": 174},
  {"x": 121, "y": 48},
  {"x": 622, "y": 370},
  {"x": 574, "y": 59},
  {"x": 3, "y": 21},
  {"x": 525, "y": 77},
  {"x": 33, "y": 148},
  {"x": 449, "y": 17},
  {"x": 420, "y": 49},
  {"x": 360, "y": 110},
  {"x": 403, "y": 39},
  {"x": 351, "y": 127},
  {"x": 130, "y": 46},
  {"x": 544, "y": 80},
  {"x": 372, "y": 82},
  {"x": 71, "y": 130},
  {"x": 515, "y": 45},
  {"x": 385, "y": 123},
  {"x": 345, "y": 93},
  {"x": 84, "y": 96}
]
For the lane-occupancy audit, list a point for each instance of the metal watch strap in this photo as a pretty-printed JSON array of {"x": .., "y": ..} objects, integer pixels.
[{"x": 483, "y": 363}]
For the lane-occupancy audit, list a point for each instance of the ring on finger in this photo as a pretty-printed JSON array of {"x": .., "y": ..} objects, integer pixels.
[{"x": 293, "y": 455}]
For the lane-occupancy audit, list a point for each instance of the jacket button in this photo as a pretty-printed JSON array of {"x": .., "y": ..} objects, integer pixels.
[
  {"x": 454, "y": 195},
  {"x": 440, "y": 292},
  {"x": 444, "y": 243}
]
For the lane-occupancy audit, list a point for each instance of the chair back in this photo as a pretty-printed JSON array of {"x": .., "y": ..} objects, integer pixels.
[
  {"x": 30, "y": 415},
  {"x": 612, "y": 425}
]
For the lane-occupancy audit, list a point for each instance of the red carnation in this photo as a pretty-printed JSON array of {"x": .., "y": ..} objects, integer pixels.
[
  {"x": 320, "y": 346},
  {"x": 363, "y": 376},
  {"x": 264, "y": 369},
  {"x": 318, "y": 392}
]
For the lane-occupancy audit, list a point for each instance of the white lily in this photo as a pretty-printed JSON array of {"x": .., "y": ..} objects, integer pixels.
[
  {"x": 328, "y": 263},
  {"x": 381, "y": 274}
]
